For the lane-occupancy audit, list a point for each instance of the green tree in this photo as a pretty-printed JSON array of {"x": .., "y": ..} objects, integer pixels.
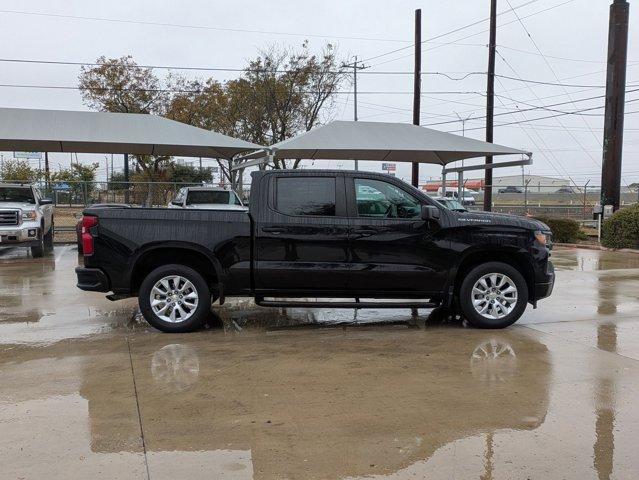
[
  {"x": 121, "y": 85},
  {"x": 18, "y": 170},
  {"x": 80, "y": 178},
  {"x": 189, "y": 174},
  {"x": 281, "y": 93}
]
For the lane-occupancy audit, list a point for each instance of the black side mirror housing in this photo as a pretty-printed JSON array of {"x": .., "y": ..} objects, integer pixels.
[
  {"x": 177, "y": 204},
  {"x": 45, "y": 201},
  {"x": 430, "y": 212}
]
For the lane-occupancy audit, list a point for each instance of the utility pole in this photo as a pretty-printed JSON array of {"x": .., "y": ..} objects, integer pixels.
[
  {"x": 46, "y": 168},
  {"x": 615, "y": 99},
  {"x": 355, "y": 66},
  {"x": 126, "y": 178},
  {"x": 460, "y": 186},
  {"x": 200, "y": 165},
  {"x": 417, "y": 84},
  {"x": 490, "y": 104}
]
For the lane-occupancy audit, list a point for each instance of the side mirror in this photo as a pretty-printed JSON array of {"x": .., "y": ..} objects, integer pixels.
[
  {"x": 46, "y": 201},
  {"x": 177, "y": 204},
  {"x": 430, "y": 212}
]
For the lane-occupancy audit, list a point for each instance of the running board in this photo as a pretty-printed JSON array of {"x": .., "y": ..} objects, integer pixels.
[{"x": 356, "y": 304}]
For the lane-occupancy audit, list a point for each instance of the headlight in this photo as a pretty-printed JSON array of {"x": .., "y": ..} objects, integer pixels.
[
  {"x": 541, "y": 237},
  {"x": 29, "y": 215}
]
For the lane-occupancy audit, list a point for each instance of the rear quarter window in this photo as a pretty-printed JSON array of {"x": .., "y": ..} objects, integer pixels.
[{"x": 307, "y": 196}]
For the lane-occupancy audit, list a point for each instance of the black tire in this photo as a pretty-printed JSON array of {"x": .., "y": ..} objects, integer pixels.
[
  {"x": 475, "y": 318},
  {"x": 199, "y": 315},
  {"x": 38, "y": 250},
  {"x": 48, "y": 239}
]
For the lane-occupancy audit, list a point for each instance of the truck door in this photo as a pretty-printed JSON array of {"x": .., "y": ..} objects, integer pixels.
[
  {"x": 393, "y": 250},
  {"x": 301, "y": 235}
]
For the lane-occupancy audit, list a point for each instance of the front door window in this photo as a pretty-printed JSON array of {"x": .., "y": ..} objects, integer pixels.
[{"x": 379, "y": 199}]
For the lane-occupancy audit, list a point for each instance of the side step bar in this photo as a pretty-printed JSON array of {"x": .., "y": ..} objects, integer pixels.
[{"x": 356, "y": 304}]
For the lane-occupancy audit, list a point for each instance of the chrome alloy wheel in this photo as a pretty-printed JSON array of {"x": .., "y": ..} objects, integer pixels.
[
  {"x": 174, "y": 299},
  {"x": 494, "y": 295}
]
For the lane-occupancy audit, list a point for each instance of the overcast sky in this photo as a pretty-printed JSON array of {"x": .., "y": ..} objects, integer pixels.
[{"x": 571, "y": 36}]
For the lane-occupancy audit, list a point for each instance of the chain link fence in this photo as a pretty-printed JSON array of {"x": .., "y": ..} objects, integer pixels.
[
  {"x": 574, "y": 202},
  {"x": 83, "y": 194}
]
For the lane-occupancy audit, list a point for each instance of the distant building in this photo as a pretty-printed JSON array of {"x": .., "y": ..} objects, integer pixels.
[{"x": 536, "y": 183}]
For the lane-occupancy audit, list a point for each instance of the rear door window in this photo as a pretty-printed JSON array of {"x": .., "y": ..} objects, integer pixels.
[{"x": 307, "y": 196}]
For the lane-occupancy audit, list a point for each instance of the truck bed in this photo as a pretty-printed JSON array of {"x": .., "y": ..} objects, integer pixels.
[{"x": 125, "y": 234}]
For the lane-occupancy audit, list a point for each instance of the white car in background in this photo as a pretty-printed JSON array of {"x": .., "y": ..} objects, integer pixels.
[
  {"x": 207, "y": 198},
  {"x": 451, "y": 192},
  {"x": 26, "y": 219}
]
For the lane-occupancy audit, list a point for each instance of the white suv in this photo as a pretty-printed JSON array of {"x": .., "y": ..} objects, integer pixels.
[{"x": 26, "y": 219}]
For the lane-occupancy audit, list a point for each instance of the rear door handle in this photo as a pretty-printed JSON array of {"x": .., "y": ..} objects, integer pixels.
[
  {"x": 364, "y": 232},
  {"x": 273, "y": 229}
]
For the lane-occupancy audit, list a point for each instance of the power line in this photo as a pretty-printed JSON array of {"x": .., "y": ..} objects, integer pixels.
[
  {"x": 535, "y": 107},
  {"x": 546, "y": 117},
  {"x": 567, "y": 59},
  {"x": 441, "y": 35},
  {"x": 200, "y": 27},
  {"x": 448, "y": 75},
  {"x": 174, "y": 90},
  {"x": 552, "y": 70},
  {"x": 471, "y": 35}
]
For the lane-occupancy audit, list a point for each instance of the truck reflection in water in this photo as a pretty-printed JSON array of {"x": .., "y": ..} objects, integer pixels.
[{"x": 345, "y": 404}]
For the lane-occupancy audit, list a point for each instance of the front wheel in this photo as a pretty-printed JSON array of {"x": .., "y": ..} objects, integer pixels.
[
  {"x": 48, "y": 239},
  {"x": 493, "y": 295},
  {"x": 175, "y": 298}
]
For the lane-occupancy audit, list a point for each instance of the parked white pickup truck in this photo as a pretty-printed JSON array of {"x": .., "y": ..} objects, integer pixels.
[
  {"x": 207, "y": 198},
  {"x": 26, "y": 219}
]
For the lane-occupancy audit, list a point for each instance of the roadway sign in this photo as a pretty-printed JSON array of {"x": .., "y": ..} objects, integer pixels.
[{"x": 28, "y": 155}]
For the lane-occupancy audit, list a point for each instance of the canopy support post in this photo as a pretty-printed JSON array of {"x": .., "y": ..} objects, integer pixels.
[{"x": 443, "y": 182}]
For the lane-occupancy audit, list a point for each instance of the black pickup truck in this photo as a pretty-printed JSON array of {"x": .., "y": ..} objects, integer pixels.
[{"x": 321, "y": 235}]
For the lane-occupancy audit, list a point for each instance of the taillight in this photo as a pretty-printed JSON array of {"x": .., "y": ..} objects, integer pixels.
[{"x": 87, "y": 239}]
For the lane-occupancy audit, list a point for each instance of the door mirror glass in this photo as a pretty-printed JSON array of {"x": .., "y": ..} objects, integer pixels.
[
  {"x": 46, "y": 201},
  {"x": 176, "y": 203},
  {"x": 429, "y": 212}
]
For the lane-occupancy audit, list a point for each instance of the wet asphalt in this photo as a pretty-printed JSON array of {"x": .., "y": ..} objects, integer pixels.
[{"x": 89, "y": 390}]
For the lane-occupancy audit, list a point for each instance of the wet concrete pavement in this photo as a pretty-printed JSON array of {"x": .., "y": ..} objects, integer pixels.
[{"x": 87, "y": 390}]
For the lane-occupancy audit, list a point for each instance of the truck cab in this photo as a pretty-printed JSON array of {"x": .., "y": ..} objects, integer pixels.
[{"x": 26, "y": 218}]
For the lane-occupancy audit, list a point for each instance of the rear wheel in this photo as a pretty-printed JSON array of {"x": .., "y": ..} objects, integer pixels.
[
  {"x": 493, "y": 295},
  {"x": 175, "y": 298}
]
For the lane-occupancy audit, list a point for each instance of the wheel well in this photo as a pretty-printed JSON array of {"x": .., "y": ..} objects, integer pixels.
[
  {"x": 515, "y": 260},
  {"x": 149, "y": 261}
]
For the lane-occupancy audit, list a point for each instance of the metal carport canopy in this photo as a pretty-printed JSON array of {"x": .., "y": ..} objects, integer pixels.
[
  {"x": 101, "y": 132},
  {"x": 380, "y": 141}
]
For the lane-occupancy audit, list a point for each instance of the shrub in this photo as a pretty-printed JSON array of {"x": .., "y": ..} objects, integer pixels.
[
  {"x": 621, "y": 230},
  {"x": 564, "y": 230}
]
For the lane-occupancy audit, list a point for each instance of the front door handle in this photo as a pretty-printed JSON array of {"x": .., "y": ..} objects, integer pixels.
[
  {"x": 364, "y": 232},
  {"x": 273, "y": 229}
]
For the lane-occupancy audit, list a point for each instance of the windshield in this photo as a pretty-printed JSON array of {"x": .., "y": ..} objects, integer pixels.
[
  {"x": 451, "y": 204},
  {"x": 16, "y": 194},
  {"x": 202, "y": 197}
]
